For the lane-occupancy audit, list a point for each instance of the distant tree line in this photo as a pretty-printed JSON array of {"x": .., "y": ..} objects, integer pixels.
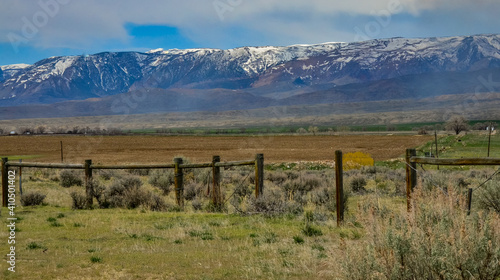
[
  {"x": 456, "y": 124},
  {"x": 62, "y": 130}
]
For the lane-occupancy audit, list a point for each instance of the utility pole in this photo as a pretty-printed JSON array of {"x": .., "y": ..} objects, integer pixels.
[
  {"x": 436, "y": 142},
  {"x": 489, "y": 138}
]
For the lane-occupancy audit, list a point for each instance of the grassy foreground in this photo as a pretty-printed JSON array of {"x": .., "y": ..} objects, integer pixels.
[
  {"x": 379, "y": 240},
  {"x": 59, "y": 243}
]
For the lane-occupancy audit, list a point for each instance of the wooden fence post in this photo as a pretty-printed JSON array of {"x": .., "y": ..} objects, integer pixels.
[
  {"x": 489, "y": 138},
  {"x": 62, "y": 158},
  {"x": 21, "y": 178},
  {"x": 259, "y": 174},
  {"x": 5, "y": 182},
  {"x": 179, "y": 178},
  {"x": 411, "y": 176},
  {"x": 339, "y": 187},
  {"x": 469, "y": 201},
  {"x": 88, "y": 183},
  {"x": 216, "y": 194}
]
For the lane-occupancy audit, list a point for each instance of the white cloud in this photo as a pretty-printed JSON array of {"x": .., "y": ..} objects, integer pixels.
[{"x": 81, "y": 23}]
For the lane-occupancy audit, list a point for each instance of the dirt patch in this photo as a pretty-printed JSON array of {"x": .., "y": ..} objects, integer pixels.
[{"x": 158, "y": 149}]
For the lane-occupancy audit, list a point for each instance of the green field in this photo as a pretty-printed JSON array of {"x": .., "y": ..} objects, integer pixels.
[
  {"x": 470, "y": 145},
  {"x": 379, "y": 239}
]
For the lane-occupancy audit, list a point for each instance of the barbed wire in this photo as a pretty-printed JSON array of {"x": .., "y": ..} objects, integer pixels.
[
  {"x": 426, "y": 176},
  {"x": 237, "y": 187},
  {"x": 488, "y": 179}
]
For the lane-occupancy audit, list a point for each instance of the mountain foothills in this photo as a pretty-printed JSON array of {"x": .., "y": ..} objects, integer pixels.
[{"x": 250, "y": 77}]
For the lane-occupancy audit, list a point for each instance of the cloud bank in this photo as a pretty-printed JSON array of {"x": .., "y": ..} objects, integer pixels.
[{"x": 101, "y": 24}]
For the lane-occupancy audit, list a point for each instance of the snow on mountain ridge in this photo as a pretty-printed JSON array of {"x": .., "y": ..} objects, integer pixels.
[
  {"x": 109, "y": 73},
  {"x": 14, "y": 66}
]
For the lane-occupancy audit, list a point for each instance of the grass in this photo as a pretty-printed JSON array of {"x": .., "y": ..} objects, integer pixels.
[
  {"x": 138, "y": 244},
  {"x": 473, "y": 144},
  {"x": 216, "y": 245},
  {"x": 54, "y": 241}
]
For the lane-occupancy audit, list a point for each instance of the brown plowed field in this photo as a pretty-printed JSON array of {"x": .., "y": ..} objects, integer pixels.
[{"x": 159, "y": 149}]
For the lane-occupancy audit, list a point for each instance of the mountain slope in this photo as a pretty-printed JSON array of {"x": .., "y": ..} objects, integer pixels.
[{"x": 263, "y": 76}]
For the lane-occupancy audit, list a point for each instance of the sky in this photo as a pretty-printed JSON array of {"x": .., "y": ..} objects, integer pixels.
[{"x": 31, "y": 30}]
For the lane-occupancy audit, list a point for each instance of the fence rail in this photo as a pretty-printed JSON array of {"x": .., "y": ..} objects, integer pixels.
[
  {"x": 411, "y": 169},
  {"x": 458, "y": 161},
  {"x": 46, "y": 165},
  {"x": 178, "y": 166}
]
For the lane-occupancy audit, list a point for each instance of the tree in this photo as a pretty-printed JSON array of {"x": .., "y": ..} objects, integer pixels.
[
  {"x": 301, "y": 130},
  {"x": 313, "y": 130},
  {"x": 457, "y": 124},
  {"x": 41, "y": 129}
]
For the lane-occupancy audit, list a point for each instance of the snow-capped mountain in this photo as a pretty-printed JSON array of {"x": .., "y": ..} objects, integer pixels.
[
  {"x": 277, "y": 72},
  {"x": 8, "y": 71}
]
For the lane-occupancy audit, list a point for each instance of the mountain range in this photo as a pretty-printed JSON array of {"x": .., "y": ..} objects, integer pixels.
[{"x": 188, "y": 80}]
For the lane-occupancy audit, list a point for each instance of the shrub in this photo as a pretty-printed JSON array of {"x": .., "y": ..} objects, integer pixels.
[
  {"x": 56, "y": 224},
  {"x": 34, "y": 246},
  {"x": 298, "y": 239},
  {"x": 155, "y": 203},
  {"x": 269, "y": 203},
  {"x": 242, "y": 190},
  {"x": 436, "y": 179},
  {"x": 192, "y": 190},
  {"x": 302, "y": 183},
  {"x": 79, "y": 200},
  {"x": 134, "y": 197},
  {"x": 356, "y": 160},
  {"x": 95, "y": 259},
  {"x": 70, "y": 178},
  {"x": 291, "y": 186},
  {"x": 437, "y": 240},
  {"x": 130, "y": 182},
  {"x": 127, "y": 193},
  {"x": 292, "y": 175},
  {"x": 322, "y": 197},
  {"x": 272, "y": 203},
  {"x": 489, "y": 197},
  {"x": 32, "y": 199},
  {"x": 358, "y": 184},
  {"x": 369, "y": 170},
  {"x": 276, "y": 177},
  {"x": 310, "y": 181},
  {"x": 107, "y": 174},
  {"x": 197, "y": 204},
  {"x": 162, "y": 180},
  {"x": 201, "y": 177},
  {"x": 310, "y": 231},
  {"x": 139, "y": 172},
  {"x": 294, "y": 208}
]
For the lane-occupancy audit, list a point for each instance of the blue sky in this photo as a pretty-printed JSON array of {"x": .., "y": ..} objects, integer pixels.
[{"x": 33, "y": 30}]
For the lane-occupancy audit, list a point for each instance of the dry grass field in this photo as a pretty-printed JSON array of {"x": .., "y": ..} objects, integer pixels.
[
  {"x": 289, "y": 233},
  {"x": 158, "y": 149}
]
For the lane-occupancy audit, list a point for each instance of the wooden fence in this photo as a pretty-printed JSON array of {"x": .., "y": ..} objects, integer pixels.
[
  {"x": 178, "y": 167},
  {"x": 411, "y": 169}
]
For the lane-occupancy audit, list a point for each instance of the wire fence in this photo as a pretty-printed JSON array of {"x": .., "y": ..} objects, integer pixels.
[
  {"x": 412, "y": 172},
  {"x": 178, "y": 166}
]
